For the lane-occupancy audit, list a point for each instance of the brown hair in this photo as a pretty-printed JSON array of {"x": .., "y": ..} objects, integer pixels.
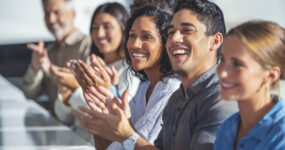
[{"x": 266, "y": 42}]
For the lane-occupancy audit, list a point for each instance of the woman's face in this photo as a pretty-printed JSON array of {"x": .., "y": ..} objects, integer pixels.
[
  {"x": 144, "y": 44},
  {"x": 241, "y": 76},
  {"x": 106, "y": 33}
]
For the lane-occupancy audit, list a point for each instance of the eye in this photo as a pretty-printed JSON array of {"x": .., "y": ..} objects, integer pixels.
[
  {"x": 146, "y": 37},
  {"x": 187, "y": 30},
  {"x": 95, "y": 27},
  {"x": 237, "y": 64},
  {"x": 107, "y": 26},
  {"x": 170, "y": 32},
  {"x": 132, "y": 35}
]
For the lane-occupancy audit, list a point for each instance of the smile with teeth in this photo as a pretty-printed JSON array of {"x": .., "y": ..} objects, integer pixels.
[
  {"x": 227, "y": 85},
  {"x": 138, "y": 55},
  {"x": 103, "y": 41},
  {"x": 179, "y": 52}
]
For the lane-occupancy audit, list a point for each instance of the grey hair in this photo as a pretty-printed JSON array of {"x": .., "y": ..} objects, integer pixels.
[{"x": 69, "y": 3}]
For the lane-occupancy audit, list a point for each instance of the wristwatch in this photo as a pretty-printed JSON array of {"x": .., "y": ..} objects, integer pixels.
[{"x": 130, "y": 143}]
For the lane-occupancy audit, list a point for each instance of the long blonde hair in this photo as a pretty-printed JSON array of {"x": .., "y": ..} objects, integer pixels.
[{"x": 266, "y": 42}]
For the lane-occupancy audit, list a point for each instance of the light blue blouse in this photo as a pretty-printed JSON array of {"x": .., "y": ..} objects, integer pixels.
[
  {"x": 267, "y": 134},
  {"x": 147, "y": 116}
]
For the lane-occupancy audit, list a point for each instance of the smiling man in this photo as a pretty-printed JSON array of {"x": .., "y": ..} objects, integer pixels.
[{"x": 69, "y": 44}]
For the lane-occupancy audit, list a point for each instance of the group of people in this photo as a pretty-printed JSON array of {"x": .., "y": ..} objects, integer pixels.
[{"x": 163, "y": 78}]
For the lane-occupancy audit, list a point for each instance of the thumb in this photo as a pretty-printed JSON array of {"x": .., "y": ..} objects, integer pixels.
[{"x": 125, "y": 101}]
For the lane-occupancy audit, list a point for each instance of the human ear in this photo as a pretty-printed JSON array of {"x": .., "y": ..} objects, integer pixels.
[
  {"x": 217, "y": 41},
  {"x": 273, "y": 74}
]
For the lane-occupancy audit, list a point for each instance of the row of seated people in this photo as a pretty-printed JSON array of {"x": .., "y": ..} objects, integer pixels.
[{"x": 157, "y": 80}]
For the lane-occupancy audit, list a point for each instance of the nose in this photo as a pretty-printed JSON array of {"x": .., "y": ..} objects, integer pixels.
[
  {"x": 101, "y": 32},
  {"x": 177, "y": 37},
  {"x": 51, "y": 17},
  {"x": 222, "y": 71},
  {"x": 137, "y": 43}
]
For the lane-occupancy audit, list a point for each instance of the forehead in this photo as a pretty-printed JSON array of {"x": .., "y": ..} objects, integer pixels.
[
  {"x": 145, "y": 23},
  {"x": 104, "y": 17},
  {"x": 185, "y": 16},
  {"x": 51, "y": 5},
  {"x": 234, "y": 46}
]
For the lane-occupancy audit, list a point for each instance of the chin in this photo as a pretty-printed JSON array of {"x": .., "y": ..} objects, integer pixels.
[{"x": 227, "y": 96}]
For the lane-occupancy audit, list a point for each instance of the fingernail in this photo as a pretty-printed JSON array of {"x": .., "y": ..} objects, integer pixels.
[
  {"x": 73, "y": 66},
  {"x": 96, "y": 68}
]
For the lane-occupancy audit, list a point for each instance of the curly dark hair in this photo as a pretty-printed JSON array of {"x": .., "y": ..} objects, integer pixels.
[
  {"x": 119, "y": 12},
  {"x": 166, "y": 5},
  {"x": 161, "y": 20},
  {"x": 208, "y": 13}
]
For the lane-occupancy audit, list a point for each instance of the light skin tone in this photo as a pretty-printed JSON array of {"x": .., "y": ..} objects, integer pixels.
[
  {"x": 59, "y": 20},
  {"x": 190, "y": 50},
  {"x": 107, "y": 35},
  {"x": 144, "y": 45},
  {"x": 197, "y": 56},
  {"x": 243, "y": 79}
]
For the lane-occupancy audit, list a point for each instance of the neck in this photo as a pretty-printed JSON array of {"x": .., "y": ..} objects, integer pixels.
[
  {"x": 153, "y": 76},
  {"x": 192, "y": 76},
  {"x": 253, "y": 109},
  {"x": 111, "y": 57},
  {"x": 60, "y": 40}
]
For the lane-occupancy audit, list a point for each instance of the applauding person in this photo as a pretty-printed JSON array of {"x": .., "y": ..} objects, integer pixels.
[{"x": 146, "y": 36}]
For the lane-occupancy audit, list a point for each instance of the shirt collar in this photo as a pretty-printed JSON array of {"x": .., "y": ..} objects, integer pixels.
[
  {"x": 72, "y": 38},
  {"x": 207, "y": 79},
  {"x": 261, "y": 129}
]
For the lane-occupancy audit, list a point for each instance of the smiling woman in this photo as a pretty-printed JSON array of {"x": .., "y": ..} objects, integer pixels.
[{"x": 253, "y": 61}]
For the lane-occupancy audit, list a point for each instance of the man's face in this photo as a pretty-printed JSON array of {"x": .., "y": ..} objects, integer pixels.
[
  {"x": 187, "y": 45},
  {"x": 59, "y": 18}
]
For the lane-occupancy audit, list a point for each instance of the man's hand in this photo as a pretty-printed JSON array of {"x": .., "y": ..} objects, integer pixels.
[
  {"x": 40, "y": 60},
  {"x": 63, "y": 77}
]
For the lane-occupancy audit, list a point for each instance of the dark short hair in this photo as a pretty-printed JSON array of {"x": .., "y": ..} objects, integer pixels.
[
  {"x": 161, "y": 19},
  {"x": 166, "y": 5},
  {"x": 117, "y": 11},
  {"x": 208, "y": 13}
]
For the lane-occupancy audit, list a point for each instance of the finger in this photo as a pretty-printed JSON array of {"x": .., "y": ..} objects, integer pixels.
[
  {"x": 125, "y": 101},
  {"x": 105, "y": 92},
  {"x": 97, "y": 94},
  {"x": 93, "y": 113},
  {"x": 82, "y": 75},
  {"x": 87, "y": 73},
  {"x": 33, "y": 47},
  {"x": 96, "y": 101},
  {"x": 115, "y": 77},
  {"x": 93, "y": 106}
]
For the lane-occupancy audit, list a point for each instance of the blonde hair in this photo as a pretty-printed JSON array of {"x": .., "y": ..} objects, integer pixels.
[{"x": 266, "y": 42}]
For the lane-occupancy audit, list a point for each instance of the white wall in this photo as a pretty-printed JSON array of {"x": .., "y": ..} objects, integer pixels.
[
  {"x": 238, "y": 11},
  {"x": 22, "y": 21}
]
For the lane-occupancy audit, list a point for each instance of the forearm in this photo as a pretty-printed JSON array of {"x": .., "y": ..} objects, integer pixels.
[
  {"x": 32, "y": 83},
  {"x": 142, "y": 144},
  {"x": 101, "y": 143}
]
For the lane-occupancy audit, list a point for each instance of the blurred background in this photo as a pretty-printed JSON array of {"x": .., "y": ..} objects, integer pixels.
[{"x": 22, "y": 22}]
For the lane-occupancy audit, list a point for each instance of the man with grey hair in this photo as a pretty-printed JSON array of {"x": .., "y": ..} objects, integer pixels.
[{"x": 69, "y": 44}]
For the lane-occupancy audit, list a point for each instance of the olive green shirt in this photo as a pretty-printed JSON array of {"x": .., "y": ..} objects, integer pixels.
[{"x": 34, "y": 83}]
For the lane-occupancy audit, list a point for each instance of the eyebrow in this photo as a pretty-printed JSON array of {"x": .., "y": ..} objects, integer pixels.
[
  {"x": 185, "y": 24},
  {"x": 143, "y": 31}
]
